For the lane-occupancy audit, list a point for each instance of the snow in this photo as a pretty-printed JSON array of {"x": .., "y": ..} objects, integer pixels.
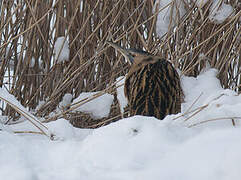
[
  {"x": 219, "y": 10},
  {"x": 66, "y": 101},
  {"x": 137, "y": 147},
  {"x": 32, "y": 62},
  {"x": 122, "y": 100},
  {"x": 41, "y": 64},
  {"x": 61, "y": 49},
  {"x": 219, "y": 13},
  {"x": 133, "y": 148},
  {"x": 40, "y": 104},
  {"x": 98, "y": 107},
  {"x": 165, "y": 17},
  {"x": 222, "y": 103}
]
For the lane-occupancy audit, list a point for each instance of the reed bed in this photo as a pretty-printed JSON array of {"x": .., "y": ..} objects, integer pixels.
[{"x": 30, "y": 28}]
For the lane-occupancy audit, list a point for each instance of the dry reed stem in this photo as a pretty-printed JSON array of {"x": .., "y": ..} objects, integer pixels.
[
  {"x": 188, "y": 110},
  {"x": 31, "y": 118},
  {"x": 197, "y": 110},
  {"x": 28, "y": 132},
  {"x": 215, "y": 119}
]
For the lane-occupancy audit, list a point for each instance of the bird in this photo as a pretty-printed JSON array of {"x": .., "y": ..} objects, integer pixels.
[{"x": 152, "y": 85}]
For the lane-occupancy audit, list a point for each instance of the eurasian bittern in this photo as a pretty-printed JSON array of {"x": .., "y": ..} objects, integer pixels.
[{"x": 152, "y": 85}]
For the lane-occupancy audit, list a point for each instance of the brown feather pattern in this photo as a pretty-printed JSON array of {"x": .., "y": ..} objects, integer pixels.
[{"x": 153, "y": 87}]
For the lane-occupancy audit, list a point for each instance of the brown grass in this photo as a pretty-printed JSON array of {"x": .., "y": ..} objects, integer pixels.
[{"x": 30, "y": 28}]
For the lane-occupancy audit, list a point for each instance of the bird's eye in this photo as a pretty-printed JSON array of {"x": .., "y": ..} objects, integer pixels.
[{"x": 133, "y": 55}]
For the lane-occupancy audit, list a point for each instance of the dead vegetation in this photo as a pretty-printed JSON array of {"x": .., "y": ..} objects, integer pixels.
[{"x": 30, "y": 28}]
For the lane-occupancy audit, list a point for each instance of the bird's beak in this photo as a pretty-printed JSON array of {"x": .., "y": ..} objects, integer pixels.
[{"x": 123, "y": 51}]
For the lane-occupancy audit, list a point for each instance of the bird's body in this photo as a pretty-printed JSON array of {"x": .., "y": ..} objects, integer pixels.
[{"x": 152, "y": 85}]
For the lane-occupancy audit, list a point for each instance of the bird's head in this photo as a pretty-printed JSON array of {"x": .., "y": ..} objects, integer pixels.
[{"x": 131, "y": 55}]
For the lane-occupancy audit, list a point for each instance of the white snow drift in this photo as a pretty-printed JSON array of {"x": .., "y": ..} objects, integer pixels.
[{"x": 137, "y": 147}]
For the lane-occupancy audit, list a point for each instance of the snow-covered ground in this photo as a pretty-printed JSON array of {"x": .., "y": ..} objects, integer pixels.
[{"x": 137, "y": 147}]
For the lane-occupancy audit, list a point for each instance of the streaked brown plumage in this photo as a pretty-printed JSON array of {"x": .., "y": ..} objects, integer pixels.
[{"x": 152, "y": 85}]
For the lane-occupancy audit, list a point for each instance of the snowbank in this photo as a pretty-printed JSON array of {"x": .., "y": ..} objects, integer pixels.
[
  {"x": 137, "y": 147},
  {"x": 205, "y": 90},
  {"x": 133, "y": 148}
]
